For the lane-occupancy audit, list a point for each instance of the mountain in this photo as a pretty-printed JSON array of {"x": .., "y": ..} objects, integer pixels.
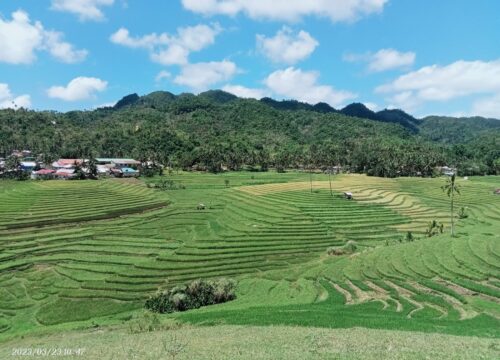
[
  {"x": 359, "y": 110},
  {"x": 447, "y": 130},
  {"x": 216, "y": 127}
]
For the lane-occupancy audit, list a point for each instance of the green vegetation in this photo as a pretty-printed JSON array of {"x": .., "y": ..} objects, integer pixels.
[
  {"x": 89, "y": 254},
  {"x": 269, "y": 342},
  {"x": 196, "y": 294},
  {"x": 215, "y": 130},
  {"x": 450, "y": 188}
]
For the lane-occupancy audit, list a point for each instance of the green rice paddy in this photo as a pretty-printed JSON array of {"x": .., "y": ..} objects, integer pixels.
[{"x": 76, "y": 254}]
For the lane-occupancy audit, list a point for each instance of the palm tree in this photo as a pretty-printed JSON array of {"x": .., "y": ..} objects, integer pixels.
[{"x": 451, "y": 188}]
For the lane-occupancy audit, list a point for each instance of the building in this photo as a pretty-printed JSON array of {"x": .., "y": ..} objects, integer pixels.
[
  {"x": 129, "y": 172},
  {"x": 67, "y": 163},
  {"x": 43, "y": 174},
  {"x": 119, "y": 163},
  {"x": 27, "y": 165},
  {"x": 64, "y": 174},
  {"x": 446, "y": 170}
]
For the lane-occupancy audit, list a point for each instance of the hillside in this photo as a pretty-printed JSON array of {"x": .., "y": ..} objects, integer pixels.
[
  {"x": 216, "y": 128},
  {"x": 107, "y": 245}
]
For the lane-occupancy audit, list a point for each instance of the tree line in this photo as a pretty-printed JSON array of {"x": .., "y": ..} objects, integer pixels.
[{"x": 192, "y": 133}]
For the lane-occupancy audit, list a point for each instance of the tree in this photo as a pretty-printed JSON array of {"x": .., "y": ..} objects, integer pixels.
[
  {"x": 451, "y": 188},
  {"x": 92, "y": 168},
  {"x": 12, "y": 163}
]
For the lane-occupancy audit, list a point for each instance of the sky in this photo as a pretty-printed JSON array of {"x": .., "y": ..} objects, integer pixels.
[{"x": 423, "y": 56}]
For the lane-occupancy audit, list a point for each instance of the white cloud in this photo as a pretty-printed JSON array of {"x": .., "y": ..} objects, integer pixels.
[
  {"x": 288, "y": 10},
  {"x": 122, "y": 37},
  {"x": 244, "y": 92},
  {"x": 372, "y": 106},
  {"x": 85, "y": 9},
  {"x": 20, "y": 39},
  {"x": 162, "y": 75},
  {"x": 172, "y": 55},
  {"x": 303, "y": 86},
  {"x": 62, "y": 50},
  {"x": 487, "y": 107},
  {"x": 287, "y": 47},
  {"x": 169, "y": 49},
  {"x": 384, "y": 59},
  {"x": 80, "y": 88},
  {"x": 203, "y": 75},
  {"x": 443, "y": 83},
  {"x": 8, "y": 101},
  {"x": 106, "y": 105}
]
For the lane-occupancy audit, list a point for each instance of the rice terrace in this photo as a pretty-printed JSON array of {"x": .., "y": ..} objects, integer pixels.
[
  {"x": 249, "y": 179},
  {"x": 77, "y": 255}
]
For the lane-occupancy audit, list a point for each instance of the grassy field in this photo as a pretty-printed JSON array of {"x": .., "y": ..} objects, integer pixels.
[
  {"x": 264, "y": 342},
  {"x": 75, "y": 255}
]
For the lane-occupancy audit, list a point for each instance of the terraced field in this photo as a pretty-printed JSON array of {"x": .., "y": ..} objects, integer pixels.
[{"x": 77, "y": 253}]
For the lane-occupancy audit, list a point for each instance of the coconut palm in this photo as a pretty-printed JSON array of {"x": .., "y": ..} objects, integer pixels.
[{"x": 451, "y": 188}]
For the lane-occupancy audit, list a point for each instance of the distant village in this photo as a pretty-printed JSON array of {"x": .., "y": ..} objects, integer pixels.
[
  {"x": 30, "y": 166},
  {"x": 66, "y": 169}
]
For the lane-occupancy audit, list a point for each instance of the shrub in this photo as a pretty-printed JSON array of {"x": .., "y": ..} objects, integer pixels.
[
  {"x": 434, "y": 228},
  {"x": 196, "y": 294},
  {"x": 462, "y": 213},
  {"x": 167, "y": 184},
  {"x": 348, "y": 248}
]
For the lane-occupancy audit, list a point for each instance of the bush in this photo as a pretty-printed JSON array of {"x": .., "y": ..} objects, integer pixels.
[
  {"x": 434, "y": 228},
  {"x": 462, "y": 213},
  {"x": 167, "y": 184},
  {"x": 196, "y": 294},
  {"x": 348, "y": 248}
]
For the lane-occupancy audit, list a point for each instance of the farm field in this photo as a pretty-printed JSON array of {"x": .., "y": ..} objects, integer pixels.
[{"x": 85, "y": 254}]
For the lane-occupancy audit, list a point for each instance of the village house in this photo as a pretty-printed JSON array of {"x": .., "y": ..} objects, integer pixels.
[
  {"x": 65, "y": 168},
  {"x": 118, "y": 167},
  {"x": 43, "y": 174}
]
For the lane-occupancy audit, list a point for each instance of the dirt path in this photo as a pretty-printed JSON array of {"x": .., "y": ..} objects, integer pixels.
[
  {"x": 347, "y": 294},
  {"x": 406, "y": 294},
  {"x": 455, "y": 303}
]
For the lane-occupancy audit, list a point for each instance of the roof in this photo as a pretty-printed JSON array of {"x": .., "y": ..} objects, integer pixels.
[
  {"x": 118, "y": 161},
  {"x": 28, "y": 163},
  {"x": 65, "y": 162},
  {"x": 65, "y": 173},
  {"x": 128, "y": 170},
  {"x": 44, "y": 172}
]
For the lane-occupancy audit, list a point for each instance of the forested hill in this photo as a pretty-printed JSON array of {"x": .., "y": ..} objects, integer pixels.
[{"x": 215, "y": 129}]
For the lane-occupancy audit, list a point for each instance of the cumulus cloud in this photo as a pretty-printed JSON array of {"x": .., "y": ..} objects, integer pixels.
[
  {"x": 372, "y": 106},
  {"x": 162, "y": 75},
  {"x": 201, "y": 76},
  {"x": 169, "y": 49},
  {"x": 122, "y": 37},
  {"x": 288, "y": 10},
  {"x": 9, "y": 101},
  {"x": 443, "y": 83},
  {"x": 287, "y": 47},
  {"x": 303, "y": 86},
  {"x": 245, "y": 92},
  {"x": 80, "y": 88},
  {"x": 384, "y": 59},
  {"x": 85, "y": 9},
  {"x": 20, "y": 39},
  {"x": 487, "y": 107}
]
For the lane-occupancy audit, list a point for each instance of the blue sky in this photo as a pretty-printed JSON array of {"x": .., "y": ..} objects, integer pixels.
[{"x": 426, "y": 57}]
